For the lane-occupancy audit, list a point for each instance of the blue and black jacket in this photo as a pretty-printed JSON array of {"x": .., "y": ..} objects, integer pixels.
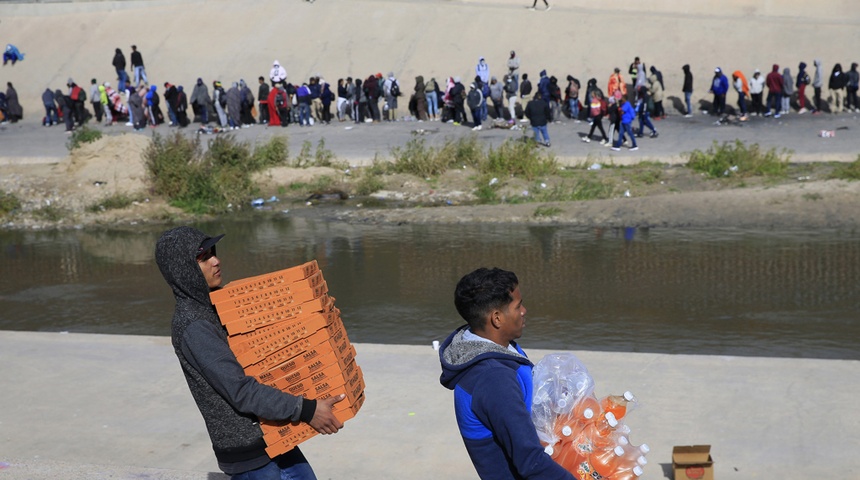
[{"x": 492, "y": 402}]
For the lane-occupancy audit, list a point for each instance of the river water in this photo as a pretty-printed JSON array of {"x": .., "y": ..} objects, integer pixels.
[{"x": 753, "y": 293}]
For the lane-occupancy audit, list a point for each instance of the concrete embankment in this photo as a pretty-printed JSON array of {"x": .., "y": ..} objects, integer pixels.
[{"x": 83, "y": 406}]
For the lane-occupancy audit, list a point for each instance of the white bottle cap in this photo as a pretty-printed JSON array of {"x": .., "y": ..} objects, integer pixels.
[
  {"x": 610, "y": 418},
  {"x": 566, "y": 430},
  {"x": 629, "y": 396},
  {"x": 619, "y": 450},
  {"x": 642, "y": 461},
  {"x": 549, "y": 450},
  {"x": 644, "y": 448},
  {"x": 622, "y": 440},
  {"x": 561, "y": 402},
  {"x": 588, "y": 413},
  {"x": 637, "y": 470}
]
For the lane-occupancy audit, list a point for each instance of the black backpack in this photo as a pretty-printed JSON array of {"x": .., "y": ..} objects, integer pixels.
[
  {"x": 474, "y": 98},
  {"x": 395, "y": 89}
]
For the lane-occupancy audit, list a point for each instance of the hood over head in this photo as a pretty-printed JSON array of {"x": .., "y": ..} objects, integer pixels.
[
  {"x": 176, "y": 256},
  {"x": 543, "y": 73},
  {"x": 802, "y": 66},
  {"x": 686, "y": 68},
  {"x": 775, "y": 68}
]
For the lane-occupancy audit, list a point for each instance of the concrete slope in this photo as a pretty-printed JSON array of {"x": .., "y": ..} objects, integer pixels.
[
  {"x": 82, "y": 406},
  {"x": 227, "y": 40}
]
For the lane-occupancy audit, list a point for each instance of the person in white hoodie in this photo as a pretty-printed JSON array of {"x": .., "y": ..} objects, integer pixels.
[
  {"x": 278, "y": 74},
  {"x": 756, "y": 89}
]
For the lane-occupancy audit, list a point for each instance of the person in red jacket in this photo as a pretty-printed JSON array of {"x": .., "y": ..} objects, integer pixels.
[
  {"x": 775, "y": 88},
  {"x": 278, "y": 103}
]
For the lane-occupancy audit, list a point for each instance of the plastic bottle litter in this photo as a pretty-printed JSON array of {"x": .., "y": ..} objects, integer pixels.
[
  {"x": 257, "y": 202},
  {"x": 827, "y": 133}
]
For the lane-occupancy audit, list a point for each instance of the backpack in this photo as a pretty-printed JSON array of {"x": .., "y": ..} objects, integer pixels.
[
  {"x": 805, "y": 79},
  {"x": 280, "y": 101},
  {"x": 511, "y": 88},
  {"x": 395, "y": 89},
  {"x": 596, "y": 106},
  {"x": 474, "y": 98}
]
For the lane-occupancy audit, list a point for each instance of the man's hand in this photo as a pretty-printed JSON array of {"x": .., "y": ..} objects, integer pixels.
[{"x": 324, "y": 421}]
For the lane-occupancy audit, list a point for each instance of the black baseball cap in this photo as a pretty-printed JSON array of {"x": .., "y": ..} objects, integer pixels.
[{"x": 208, "y": 243}]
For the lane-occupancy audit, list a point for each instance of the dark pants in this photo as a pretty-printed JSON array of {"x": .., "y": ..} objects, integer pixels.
[
  {"x": 775, "y": 99},
  {"x": 852, "y": 98},
  {"x": 757, "y": 106},
  {"x": 816, "y": 99},
  {"x": 98, "y": 110},
  {"x": 459, "y": 112},
  {"x": 51, "y": 115},
  {"x": 597, "y": 122},
  {"x": 264, "y": 112},
  {"x": 742, "y": 103},
  {"x": 719, "y": 104}
]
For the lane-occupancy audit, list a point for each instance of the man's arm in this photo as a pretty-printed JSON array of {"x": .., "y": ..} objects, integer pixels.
[
  {"x": 207, "y": 352},
  {"x": 498, "y": 403}
]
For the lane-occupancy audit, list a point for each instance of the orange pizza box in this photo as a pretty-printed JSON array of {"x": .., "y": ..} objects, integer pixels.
[
  {"x": 297, "y": 368},
  {"x": 320, "y": 304},
  {"x": 270, "y": 305},
  {"x": 335, "y": 337},
  {"x": 243, "y": 342},
  {"x": 292, "y": 434},
  {"x": 249, "y": 298},
  {"x": 335, "y": 378},
  {"x": 260, "y": 282},
  {"x": 333, "y": 375},
  {"x": 279, "y": 339}
]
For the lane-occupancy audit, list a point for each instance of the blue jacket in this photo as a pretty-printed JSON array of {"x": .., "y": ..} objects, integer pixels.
[
  {"x": 543, "y": 86},
  {"x": 492, "y": 402},
  {"x": 627, "y": 113},
  {"x": 720, "y": 85}
]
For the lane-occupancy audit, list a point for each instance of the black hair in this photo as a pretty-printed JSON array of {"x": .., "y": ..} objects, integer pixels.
[{"x": 482, "y": 291}]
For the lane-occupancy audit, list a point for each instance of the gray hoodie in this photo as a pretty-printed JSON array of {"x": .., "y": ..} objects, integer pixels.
[
  {"x": 229, "y": 401},
  {"x": 787, "y": 82},
  {"x": 817, "y": 81}
]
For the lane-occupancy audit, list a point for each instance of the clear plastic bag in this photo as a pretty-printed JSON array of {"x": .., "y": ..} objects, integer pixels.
[{"x": 560, "y": 380}]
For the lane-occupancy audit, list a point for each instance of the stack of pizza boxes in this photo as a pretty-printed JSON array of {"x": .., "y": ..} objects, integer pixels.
[{"x": 287, "y": 333}]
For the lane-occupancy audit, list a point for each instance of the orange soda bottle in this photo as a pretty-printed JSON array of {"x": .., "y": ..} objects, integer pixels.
[
  {"x": 631, "y": 474},
  {"x": 617, "y": 404},
  {"x": 607, "y": 462},
  {"x": 588, "y": 402}
]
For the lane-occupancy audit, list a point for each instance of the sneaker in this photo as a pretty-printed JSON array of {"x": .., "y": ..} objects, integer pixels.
[
  {"x": 777, "y": 116},
  {"x": 129, "y": 124},
  {"x": 767, "y": 114},
  {"x": 480, "y": 127},
  {"x": 604, "y": 142},
  {"x": 638, "y": 135},
  {"x": 616, "y": 149},
  {"x": 586, "y": 140},
  {"x": 633, "y": 149},
  {"x": 475, "y": 129},
  {"x": 456, "y": 124},
  {"x": 802, "y": 111},
  {"x": 689, "y": 115},
  {"x": 548, "y": 7}
]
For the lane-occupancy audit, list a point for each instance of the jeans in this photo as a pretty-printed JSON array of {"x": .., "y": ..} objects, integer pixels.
[
  {"x": 574, "y": 108},
  {"x": 289, "y": 466},
  {"x": 304, "y": 114},
  {"x": 139, "y": 74},
  {"x": 627, "y": 129},
  {"x": 742, "y": 103},
  {"x": 484, "y": 112},
  {"x": 541, "y": 131},
  {"x": 775, "y": 99},
  {"x": 171, "y": 114},
  {"x": 51, "y": 115},
  {"x": 719, "y": 103},
  {"x": 687, "y": 96},
  {"x": 122, "y": 78},
  {"x": 645, "y": 121},
  {"x": 432, "y": 103}
]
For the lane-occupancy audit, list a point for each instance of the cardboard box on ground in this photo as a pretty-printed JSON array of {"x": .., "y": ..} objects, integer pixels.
[
  {"x": 693, "y": 462},
  {"x": 287, "y": 333}
]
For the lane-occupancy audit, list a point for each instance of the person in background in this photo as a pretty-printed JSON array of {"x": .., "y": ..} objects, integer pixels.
[
  {"x": 774, "y": 84},
  {"x": 538, "y": 113},
  {"x": 739, "y": 81},
  {"x": 137, "y": 65},
  {"x": 719, "y": 88},
  {"x": 51, "y": 116},
  {"x": 853, "y": 85},
  {"x": 119, "y": 66},
  {"x": 838, "y": 82},
  {"x": 756, "y": 88},
  {"x": 627, "y": 116},
  {"x": 817, "y": 85},
  {"x": 688, "y": 90},
  {"x": 200, "y": 101},
  {"x": 802, "y": 81},
  {"x": 491, "y": 378},
  {"x": 263, "y": 98}
]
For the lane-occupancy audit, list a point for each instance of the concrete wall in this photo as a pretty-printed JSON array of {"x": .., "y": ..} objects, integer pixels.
[{"x": 183, "y": 40}]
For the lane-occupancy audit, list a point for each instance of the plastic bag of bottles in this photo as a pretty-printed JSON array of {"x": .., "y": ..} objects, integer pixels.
[{"x": 583, "y": 433}]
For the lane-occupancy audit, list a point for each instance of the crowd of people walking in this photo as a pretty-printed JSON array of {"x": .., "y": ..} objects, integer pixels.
[{"x": 502, "y": 100}]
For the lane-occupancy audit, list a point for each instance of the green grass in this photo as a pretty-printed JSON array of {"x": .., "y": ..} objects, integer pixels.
[
  {"x": 518, "y": 158},
  {"x": 585, "y": 187},
  {"x": 368, "y": 182},
  {"x": 847, "y": 171},
  {"x": 51, "y": 213},
  {"x": 81, "y": 136},
  {"x": 546, "y": 211},
  {"x": 739, "y": 160},
  {"x": 209, "y": 182},
  {"x": 9, "y": 204},
  {"x": 116, "y": 201}
]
